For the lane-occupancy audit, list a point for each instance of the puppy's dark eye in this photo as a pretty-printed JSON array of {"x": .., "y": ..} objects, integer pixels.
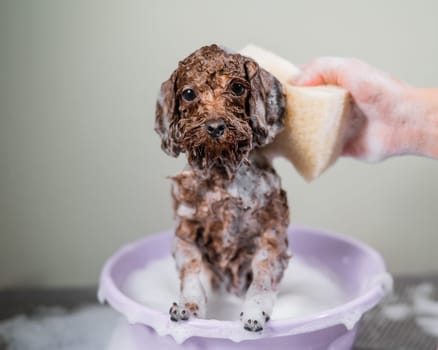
[
  {"x": 188, "y": 95},
  {"x": 237, "y": 89}
]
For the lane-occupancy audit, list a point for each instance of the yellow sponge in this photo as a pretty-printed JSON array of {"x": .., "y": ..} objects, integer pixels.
[{"x": 316, "y": 118}]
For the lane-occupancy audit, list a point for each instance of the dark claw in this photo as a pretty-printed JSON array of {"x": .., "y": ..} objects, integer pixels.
[
  {"x": 267, "y": 318},
  {"x": 173, "y": 319},
  {"x": 248, "y": 328}
]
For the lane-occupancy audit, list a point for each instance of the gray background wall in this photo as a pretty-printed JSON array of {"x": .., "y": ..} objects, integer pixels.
[{"x": 81, "y": 168}]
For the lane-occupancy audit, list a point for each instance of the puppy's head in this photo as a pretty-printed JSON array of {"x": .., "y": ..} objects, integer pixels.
[{"x": 216, "y": 107}]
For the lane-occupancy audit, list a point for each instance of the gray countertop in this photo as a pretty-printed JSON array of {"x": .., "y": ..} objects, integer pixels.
[{"x": 402, "y": 329}]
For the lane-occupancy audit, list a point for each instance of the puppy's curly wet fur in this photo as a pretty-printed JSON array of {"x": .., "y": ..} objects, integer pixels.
[{"x": 220, "y": 108}]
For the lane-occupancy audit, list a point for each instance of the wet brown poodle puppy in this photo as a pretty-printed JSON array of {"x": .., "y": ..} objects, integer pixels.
[{"x": 220, "y": 108}]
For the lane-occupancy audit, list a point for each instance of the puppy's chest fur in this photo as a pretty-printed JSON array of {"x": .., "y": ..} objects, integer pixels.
[{"x": 227, "y": 218}]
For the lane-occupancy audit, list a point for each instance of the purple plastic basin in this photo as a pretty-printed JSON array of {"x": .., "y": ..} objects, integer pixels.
[{"x": 359, "y": 269}]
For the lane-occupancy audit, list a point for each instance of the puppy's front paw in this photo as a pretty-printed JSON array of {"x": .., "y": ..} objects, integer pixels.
[
  {"x": 183, "y": 313},
  {"x": 254, "y": 321}
]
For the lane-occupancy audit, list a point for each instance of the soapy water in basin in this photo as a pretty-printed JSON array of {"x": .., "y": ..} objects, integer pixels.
[
  {"x": 331, "y": 281},
  {"x": 305, "y": 290}
]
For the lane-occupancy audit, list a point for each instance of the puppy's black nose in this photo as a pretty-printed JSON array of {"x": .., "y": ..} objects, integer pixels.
[{"x": 215, "y": 127}]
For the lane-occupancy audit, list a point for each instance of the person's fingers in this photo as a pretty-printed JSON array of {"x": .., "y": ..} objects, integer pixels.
[
  {"x": 353, "y": 149},
  {"x": 308, "y": 79},
  {"x": 321, "y": 71}
]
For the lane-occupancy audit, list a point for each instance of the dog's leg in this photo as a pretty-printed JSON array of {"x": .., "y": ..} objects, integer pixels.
[
  {"x": 193, "y": 293},
  {"x": 260, "y": 297},
  {"x": 267, "y": 266}
]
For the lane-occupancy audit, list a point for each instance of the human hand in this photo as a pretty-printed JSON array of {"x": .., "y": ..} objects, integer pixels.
[{"x": 383, "y": 115}]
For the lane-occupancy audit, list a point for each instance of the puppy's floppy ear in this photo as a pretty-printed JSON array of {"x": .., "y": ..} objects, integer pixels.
[
  {"x": 267, "y": 103},
  {"x": 166, "y": 115}
]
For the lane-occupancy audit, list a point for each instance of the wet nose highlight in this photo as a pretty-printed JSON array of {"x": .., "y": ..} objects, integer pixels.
[{"x": 215, "y": 128}]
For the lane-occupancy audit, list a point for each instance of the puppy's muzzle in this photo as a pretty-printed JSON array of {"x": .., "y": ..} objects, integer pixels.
[{"x": 215, "y": 127}]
